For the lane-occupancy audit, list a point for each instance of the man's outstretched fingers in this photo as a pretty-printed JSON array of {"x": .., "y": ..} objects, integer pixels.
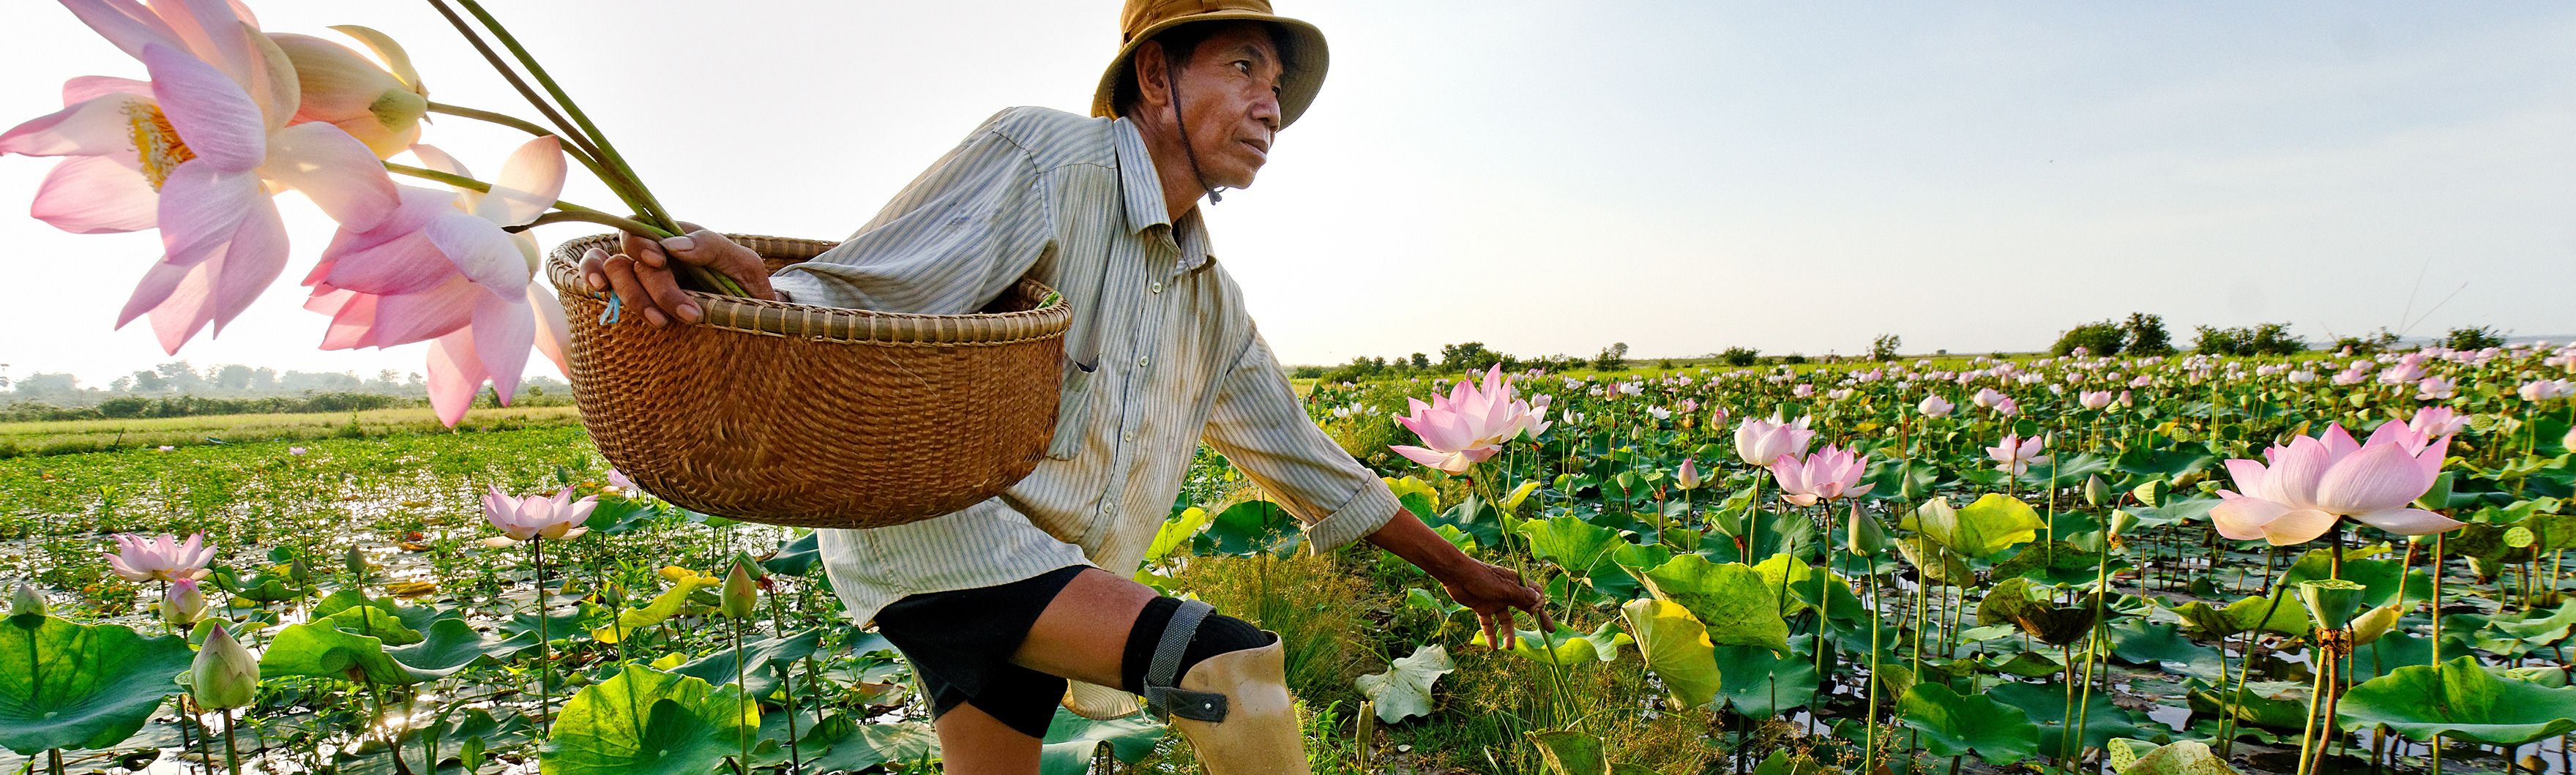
[{"x": 594, "y": 269}]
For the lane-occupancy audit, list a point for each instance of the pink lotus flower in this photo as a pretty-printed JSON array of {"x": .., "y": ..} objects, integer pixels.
[
  {"x": 619, "y": 481},
  {"x": 1934, "y": 406},
  {"x": 2436, "y": 389},
  {"x": 1803, "y": 390},
  {"x": 441, "y": 268},
  {"x": 2406, "y": 371},
  {"x": 162, "y": 558},
  {"x": 2004, "y": 406},
  {"x": 2436, "y": 422},
  {"x": 2016, "y": 454},
  {"x": 1468, "y": 425},
  {"x": 2312, "y": 482},
  {"x": 2095, "y": 399},
  {"x": 211, "y": 131},
  {"x": 1986, "y": 398},
  {"x": 1828, "y": 474},
  {"x": 1758, "y": 442},
  {"x": 1687, "y": 477},
  {"x": 2540, "y": 390},
  {"x": 2126, "y": 400},
  {"x": 536, "y": 516},
  {"x": 295, "y": 451}
]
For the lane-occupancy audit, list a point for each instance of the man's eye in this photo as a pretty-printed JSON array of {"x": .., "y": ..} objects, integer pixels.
[{"x": 1244, "y": 66}]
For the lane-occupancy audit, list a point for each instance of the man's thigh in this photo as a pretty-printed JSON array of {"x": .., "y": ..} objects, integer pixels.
[{"x": 1082, "y": 635}]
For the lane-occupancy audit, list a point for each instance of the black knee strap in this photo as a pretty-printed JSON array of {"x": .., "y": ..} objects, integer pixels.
[{"x": 1164, "y": 698}]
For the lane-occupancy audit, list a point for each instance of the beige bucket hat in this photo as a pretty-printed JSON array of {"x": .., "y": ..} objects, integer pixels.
[{"x": 1143, "y": 19}]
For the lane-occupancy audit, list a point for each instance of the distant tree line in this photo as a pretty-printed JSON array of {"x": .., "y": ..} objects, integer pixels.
[
  {"x": 1458, "y": 359},
  {"x": 181, "y": 384}
]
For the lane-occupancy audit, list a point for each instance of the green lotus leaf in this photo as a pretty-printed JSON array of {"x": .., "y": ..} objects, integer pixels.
[
  {"x": 647, "y": 721},
  {"x": 2046, "y": 705},
  {"x": 758, "y": 657},
  {"x": 2272, "y": 704},
  {"x": 1992, "y": 524},
  {"x": 2032, "y": 608},
  {"x": 1676, "y": 646},
  {"x": 1405, "y": 688},
  {"x": 796, "y": 558},
  {"x": 1803, "y": 586},
  {"x": 2055, "y": 563},
  {"x": 1761, "y": 683},
  {"x": 869, "y": 745},
  {"x": 2460, "y": 699},
  {"x": 1945, "y": 570},
  {"x": 1071, "y": 741},
  {"x": 1573, "y": 544},
  {"x": 2150, "y": 643},
  {"x": 65, "y": 685},
  {"x": 661, "y": 609},
  {"x": 2181, "y": 757},
  {"x": 1250, "y": 528},
  {"x": 1566, "y": 645},
  {"x": 1731, "y": 598},
  {"x": 1567, "y": 752},
  {"x": 1953, "y": 725},
  {"x": 2378, "y": 577},
  {"x": 2172, "y": 464}
]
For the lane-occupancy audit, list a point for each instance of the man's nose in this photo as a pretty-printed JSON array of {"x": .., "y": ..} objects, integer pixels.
[{"x": 1265, "y": 109}]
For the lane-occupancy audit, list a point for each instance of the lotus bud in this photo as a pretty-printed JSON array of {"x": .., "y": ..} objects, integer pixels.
[
  {"x": 342, "y": 88},
  {"x": 1688, "y": 477},
  {"x": 2097, "y": 492},
  {"x": 299, "y": 569},
  {"x": 26, "y": 601},
  {"x": 740, "y": 592},
  {"x": 2331, "y": 602},
  {"x": 2374, "y": 623},
  {"x": 184, "y": 604},
  {"x": 225, "y": 675},
  {"x": 355, "y": 561}
]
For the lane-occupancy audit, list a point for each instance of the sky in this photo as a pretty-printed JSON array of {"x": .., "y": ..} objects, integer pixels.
[{"x": 1552, "y": 177}]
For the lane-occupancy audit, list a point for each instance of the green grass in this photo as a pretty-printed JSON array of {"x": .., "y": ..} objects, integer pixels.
[{"x": 79, "y": 436}]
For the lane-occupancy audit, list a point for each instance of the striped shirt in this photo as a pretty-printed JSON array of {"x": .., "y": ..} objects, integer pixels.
[{"x": 1058, "y": 197}]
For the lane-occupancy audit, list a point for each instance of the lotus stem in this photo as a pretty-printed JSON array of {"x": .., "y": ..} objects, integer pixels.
[
  {"x": 606, "y": 152},
  {"x": 567, "y": 211},
  {"x": 232, "y": 756},
  {"x": 568, "y": 132},
  {"x": 514, "y": 122},
  {"x": 537, "y": 547}
]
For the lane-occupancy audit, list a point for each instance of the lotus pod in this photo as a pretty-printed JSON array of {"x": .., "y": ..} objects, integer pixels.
[
  {"x": 2331, "y": 602},
  {"x": 225, "y": 675},
  {"x": 26, "y": 601}
]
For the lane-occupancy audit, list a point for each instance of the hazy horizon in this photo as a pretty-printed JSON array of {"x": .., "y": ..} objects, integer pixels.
[{"x": 1554, "y": 177}]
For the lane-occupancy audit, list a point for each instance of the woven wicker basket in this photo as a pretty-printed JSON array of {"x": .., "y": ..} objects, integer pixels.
[{"x": 815, "y": 416}]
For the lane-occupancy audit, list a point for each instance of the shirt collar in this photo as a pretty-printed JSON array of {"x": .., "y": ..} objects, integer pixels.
[{"x": 1143, "y": 191}]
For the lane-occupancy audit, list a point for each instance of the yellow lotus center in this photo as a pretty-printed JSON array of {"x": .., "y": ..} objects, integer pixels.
[{"x": 156, "y": 143}]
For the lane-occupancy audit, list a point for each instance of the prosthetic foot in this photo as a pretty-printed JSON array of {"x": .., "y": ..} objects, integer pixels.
[{"x": 1234, "y": 707}]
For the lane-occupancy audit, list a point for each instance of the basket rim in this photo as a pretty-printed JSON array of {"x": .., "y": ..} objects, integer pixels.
[{"x": 830, "y": 324}]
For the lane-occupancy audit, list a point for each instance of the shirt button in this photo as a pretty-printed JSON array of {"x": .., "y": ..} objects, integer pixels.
[
  {"x": 1142, "y": 362},
  {"x": 1157, "y": 288},
  {"x": 1128, "y": 436}
]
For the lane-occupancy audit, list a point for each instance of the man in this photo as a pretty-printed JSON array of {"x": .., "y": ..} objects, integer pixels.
[{"x": 996, "y": 606}]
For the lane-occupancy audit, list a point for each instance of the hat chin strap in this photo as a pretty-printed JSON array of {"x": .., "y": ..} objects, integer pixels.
[{"x": 1172, "y": 86}]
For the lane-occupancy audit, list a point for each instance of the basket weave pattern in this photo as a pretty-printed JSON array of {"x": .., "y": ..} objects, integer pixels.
[{"x": 815, "y": 416}]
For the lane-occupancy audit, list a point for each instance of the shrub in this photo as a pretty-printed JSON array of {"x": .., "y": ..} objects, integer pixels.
[
  {"x": 1740, "y": 356},
  {"x": 2370, "y": 344},
  {"x": 1793, "y": 359},
  {"x": 1884, "y": 347},
  {"x": 1612, "y": 358},
  {"x": 2100, "y": 338},
  {"x": 2479, "y": 338},
  {"x": 2262, "y": 339},
  {"x": 2147, "y": 335}
]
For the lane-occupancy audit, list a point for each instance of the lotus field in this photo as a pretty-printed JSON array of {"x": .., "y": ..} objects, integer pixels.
[{"x": 2160, "y": 565}]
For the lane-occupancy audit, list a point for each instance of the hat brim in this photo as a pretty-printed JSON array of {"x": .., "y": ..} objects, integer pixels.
[{"x": 1306, "y": 54}]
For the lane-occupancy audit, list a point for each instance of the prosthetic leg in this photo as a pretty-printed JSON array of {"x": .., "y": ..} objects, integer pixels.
[{"x": 1234, "y": 707}]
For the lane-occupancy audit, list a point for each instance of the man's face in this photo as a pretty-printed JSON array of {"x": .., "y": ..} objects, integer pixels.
[{"x": 1230, "y": 103}]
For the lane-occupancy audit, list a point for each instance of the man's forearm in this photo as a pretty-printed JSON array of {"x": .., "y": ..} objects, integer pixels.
[{"x": 1405, "y": 536}]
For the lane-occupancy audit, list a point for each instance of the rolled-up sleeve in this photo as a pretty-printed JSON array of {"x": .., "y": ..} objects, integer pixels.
[
  {"x": 1259, "y": 424},
  {"x": 954, "y": 239}
]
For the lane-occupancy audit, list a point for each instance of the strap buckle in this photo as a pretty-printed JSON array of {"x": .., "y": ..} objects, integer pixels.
[{"x": 1162, "y": 698}]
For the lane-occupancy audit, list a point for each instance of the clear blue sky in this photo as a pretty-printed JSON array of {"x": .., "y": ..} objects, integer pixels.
[{"x": 1555, "y": 176}]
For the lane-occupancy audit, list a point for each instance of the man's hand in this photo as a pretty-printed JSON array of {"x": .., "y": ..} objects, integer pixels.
[
  {"x": 645, "y": 280},
  {"x": 1491, "y": 591}
]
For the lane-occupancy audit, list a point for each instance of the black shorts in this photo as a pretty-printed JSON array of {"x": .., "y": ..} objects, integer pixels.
[{"x": 960, "y": 642}]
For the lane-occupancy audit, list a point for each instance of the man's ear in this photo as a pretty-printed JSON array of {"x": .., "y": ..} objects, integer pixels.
[{"x": 1153, "y": 74}]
